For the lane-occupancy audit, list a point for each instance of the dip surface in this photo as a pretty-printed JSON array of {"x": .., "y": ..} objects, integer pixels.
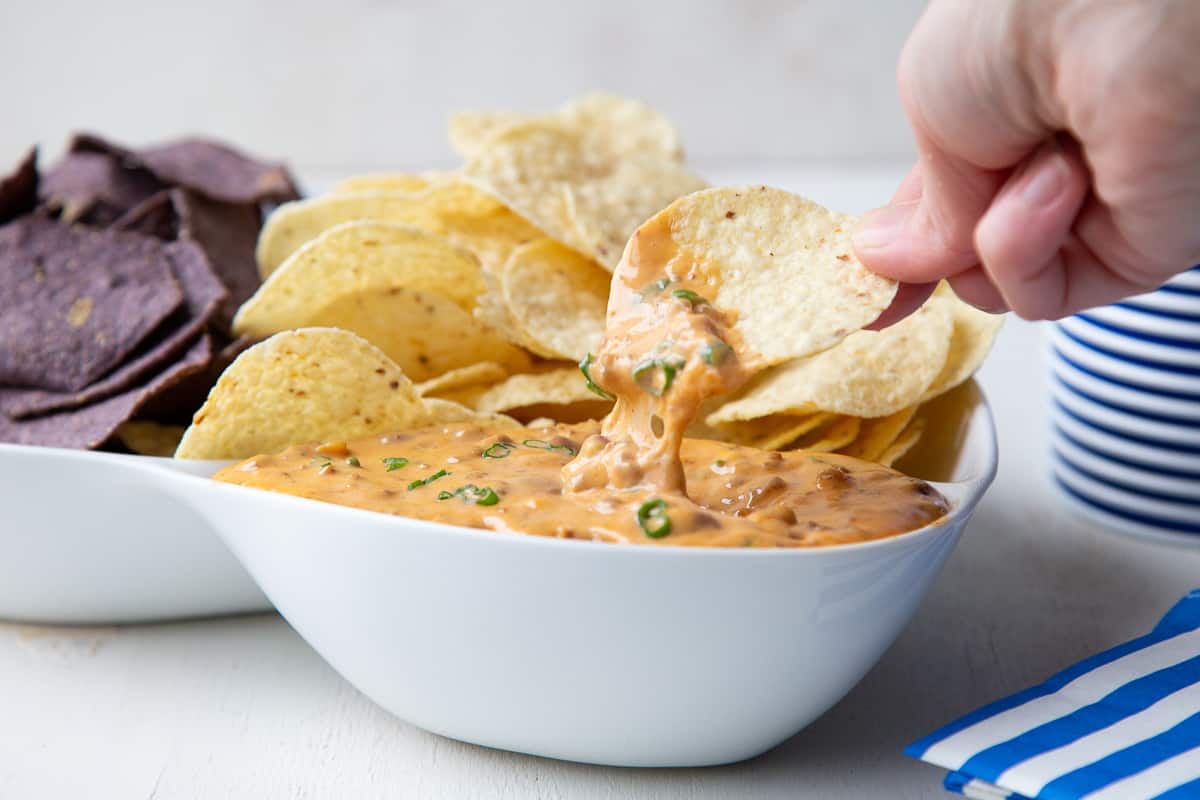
[{"x": 511, "y": 480}]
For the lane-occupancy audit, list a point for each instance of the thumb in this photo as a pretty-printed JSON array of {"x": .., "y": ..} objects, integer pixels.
[{"x": 932, "y": 237}]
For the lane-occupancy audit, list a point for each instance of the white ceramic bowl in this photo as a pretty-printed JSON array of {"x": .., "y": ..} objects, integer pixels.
[
  {"x": 601, "y": 653},
  {"x": 87, "y": 539}
]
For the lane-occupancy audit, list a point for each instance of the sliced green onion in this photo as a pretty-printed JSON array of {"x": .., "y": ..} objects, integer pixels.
[
  {"x": 353, "y": 461},
  {"x": 320, "y": 461},
  {"x": 499, "y": 450},
  {"x": 715, "y": 352},
  {"x": 585, "y": 367},
  {"x": 392, "y": 463},
  {"x": 652, "y": 518},
  {"x": 419, "y": 482},
  {"x": 690, "y": 296},
  {"x": 646, "y": 372},
  {"x": 541, "y": 444},
  {"x": 470, "y": 493}
]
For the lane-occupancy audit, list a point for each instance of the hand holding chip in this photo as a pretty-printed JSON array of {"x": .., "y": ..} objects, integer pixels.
[{"x": 1058, "y": 165}]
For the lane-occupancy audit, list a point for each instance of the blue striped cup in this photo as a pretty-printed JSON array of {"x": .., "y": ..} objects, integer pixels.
[{"x": 1125, "y": 412}]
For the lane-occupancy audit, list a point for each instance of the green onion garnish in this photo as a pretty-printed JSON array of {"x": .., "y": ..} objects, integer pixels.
[
  {"x": 540, "y": 444},
  {"x": 646, "y": 373},
  {"x": 320, "y": 461},
  {"x": 394, "y": 463},
  {"x": 652, "y": 518},
  {"x": 690, "y": 296},
  {"x": 353, "y": 461},
  {"x": 715, "y": 352},
  {"x": 585, "y": 367},
  {"x": 419, "y": 482},
  {"x": 499, "y": 450},
  {"x": 470, "y": 493}
]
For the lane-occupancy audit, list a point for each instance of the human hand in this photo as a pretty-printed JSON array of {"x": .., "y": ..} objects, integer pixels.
[{"x": 1059, "y": 155}]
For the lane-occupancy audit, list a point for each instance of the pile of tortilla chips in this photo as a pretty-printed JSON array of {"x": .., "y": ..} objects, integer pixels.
[
  {"x": 120, "y": 272},
  {"x": 398, "y": 300}
]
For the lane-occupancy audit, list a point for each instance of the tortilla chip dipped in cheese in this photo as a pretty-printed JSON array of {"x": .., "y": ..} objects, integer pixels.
[{"x": 715, "y": 287}]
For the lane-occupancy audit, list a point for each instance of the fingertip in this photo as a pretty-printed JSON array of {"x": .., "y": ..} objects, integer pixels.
[
  {"x": 909, "y": 297},
  {"x": 976, "y": 288}
]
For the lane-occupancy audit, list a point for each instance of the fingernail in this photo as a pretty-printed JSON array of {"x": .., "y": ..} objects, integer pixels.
[
  {"x": 1046, "y": 184},
  {"x": 882, "y": 226}
]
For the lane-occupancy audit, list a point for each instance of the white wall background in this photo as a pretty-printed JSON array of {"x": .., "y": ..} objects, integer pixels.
[{"x": 367, "y": 83}]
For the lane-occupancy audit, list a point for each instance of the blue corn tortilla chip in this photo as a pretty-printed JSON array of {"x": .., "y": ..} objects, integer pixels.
[
  {"x": 18, "y": 189},
  {"x": 76, "y": 301},
  {"x": 214, "y": 170},
  {"x": 92, "y": 425},
  {"x": 177, "y": 404},
  {"x": 203, "y": 296},
  {"x": 94, "y": 187},
  {"x": 155, "y": 216},
  {"x": 227, "y": 232}
]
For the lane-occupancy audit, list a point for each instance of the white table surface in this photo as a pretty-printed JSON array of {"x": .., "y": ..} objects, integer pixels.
[{"x": 241, "y": 707}]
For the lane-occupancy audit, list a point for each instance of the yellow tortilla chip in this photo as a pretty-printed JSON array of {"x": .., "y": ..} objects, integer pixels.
[
  {"x": 443, "y": 411},
  {"x": 481, "y": 372},
  {"x": 357, "y": 256},
  {"x": 783, "y": 264},
  {"x": 556, "y": 298},
  {"x": 302, "y": 386},
  {"x": 492, "y": 311},
  {"x": 876, "y": 435},
  {"x": 623, "y": 126},
  {"x": 765, "y": 433},
  {"x": 559, "y": 393},
  {"x": 469, "y": 131},
  {"x": 588, "y": 199},
  {"x": 870, "y": 374},
  {"x": 423, "y": 332},
  {"x": 150, "y": 438},
  {"x": 905, "y": 442},
  {"x": 971, "y": 341},
  {"x": 468, "y": 217},
  {"x": 612, "y": 124},
  {"x": 559, "y": 386},
  {"x": 838, "y": 433},
  {"x": 387, "y": 182}
]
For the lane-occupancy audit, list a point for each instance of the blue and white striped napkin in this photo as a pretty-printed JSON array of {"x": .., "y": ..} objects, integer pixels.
[{"x": 1121, "y": 725}]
